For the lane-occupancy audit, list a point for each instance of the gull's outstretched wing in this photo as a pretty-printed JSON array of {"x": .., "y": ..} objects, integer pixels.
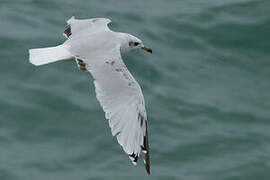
[
  {"x": 123, "y": 103},
  {"x": 84, "y": 26}
]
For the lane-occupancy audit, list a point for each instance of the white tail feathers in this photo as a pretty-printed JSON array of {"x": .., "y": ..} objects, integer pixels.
[{"x": 42, "y": 56}]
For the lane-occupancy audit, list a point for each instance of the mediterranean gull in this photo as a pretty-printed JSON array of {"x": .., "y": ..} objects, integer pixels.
[{"x": 97, "y": 49}]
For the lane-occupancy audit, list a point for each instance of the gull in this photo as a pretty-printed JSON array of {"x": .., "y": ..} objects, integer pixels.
[{"x": 97, "y": 50}]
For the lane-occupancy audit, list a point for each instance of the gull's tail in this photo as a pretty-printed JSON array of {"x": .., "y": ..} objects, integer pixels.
[{"x": 42, "y": 56}]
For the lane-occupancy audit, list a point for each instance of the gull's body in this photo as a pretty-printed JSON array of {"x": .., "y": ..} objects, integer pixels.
[{"x": 98, "y": 50}]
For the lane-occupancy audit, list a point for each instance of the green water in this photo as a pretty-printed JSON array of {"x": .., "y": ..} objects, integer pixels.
[{"x": 206, "y": 88}]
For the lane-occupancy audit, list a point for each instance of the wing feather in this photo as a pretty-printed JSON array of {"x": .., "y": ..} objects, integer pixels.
[
  {"x": 123, "y": 103},
  {"x": 84, "y": 26},
  {"x": 145, "y": 151}
]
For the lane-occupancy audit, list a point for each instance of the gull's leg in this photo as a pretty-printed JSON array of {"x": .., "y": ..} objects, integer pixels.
[{"x": 81, "y": 64}]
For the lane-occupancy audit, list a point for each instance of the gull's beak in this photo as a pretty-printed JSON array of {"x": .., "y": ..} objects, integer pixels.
[{"x": 147, "y": 49}]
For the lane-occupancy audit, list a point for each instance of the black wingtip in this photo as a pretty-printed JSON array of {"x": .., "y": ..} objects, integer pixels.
[
  {"x": 67, "y": 32},
  {"x": 148, "y": 171},
  {"x": 146, "y": 151}
]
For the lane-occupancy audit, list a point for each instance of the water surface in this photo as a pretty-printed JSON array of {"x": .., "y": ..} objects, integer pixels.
[{"x": 206, "y": 88}]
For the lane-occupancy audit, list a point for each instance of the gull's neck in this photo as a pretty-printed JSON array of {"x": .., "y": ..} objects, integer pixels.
[{"x": 124, "y": 39}]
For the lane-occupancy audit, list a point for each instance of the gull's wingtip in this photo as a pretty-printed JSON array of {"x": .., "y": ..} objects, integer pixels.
[
  {"x": 146, "y": 151},
  {"x": 70, "y": 19},
  {"x": 148, "y": 171}
]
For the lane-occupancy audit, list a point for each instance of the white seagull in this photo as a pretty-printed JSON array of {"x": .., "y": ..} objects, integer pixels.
[{"x": 97, "y": 49}]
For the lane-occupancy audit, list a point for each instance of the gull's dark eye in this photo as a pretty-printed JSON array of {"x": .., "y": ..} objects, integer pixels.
[{"x": 136, "y": 44}]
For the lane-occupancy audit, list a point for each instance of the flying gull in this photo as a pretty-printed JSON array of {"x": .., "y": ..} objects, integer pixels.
[{"x": 97, "y": 49}]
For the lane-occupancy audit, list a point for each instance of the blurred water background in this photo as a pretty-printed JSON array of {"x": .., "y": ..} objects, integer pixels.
[{"x": 206, "y": 88}]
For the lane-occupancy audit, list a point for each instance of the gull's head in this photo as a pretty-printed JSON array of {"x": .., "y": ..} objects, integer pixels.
[{"x": 131, "y": 43}]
